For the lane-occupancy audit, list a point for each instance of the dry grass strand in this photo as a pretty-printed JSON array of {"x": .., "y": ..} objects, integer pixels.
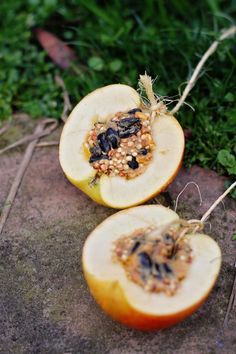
[
  {"x": 226, "y": 34},
  {"x": 67, "y": 104},
  {"x": 198, "y": 189}
]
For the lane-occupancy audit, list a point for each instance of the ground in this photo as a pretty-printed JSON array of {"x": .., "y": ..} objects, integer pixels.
[{"x": 45, "y": 304}]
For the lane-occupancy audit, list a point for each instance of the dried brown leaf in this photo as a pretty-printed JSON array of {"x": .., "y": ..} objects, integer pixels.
[{"x": 58, "y": 51}]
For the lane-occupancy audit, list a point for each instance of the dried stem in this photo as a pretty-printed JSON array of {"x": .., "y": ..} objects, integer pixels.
[
  {"x": 146, "y": 83},
  {"x": 67, "y": 105},
  {"x": 226, "y": 34},
  {"x": 210, "y": 210},
  {"x": 198, "y": 189},
  {"x": 21, "y": 171},
  {"x": 196, "y": 225},
  {"x": 214, "y": 205},
  {"x": 47, "y": 143}
]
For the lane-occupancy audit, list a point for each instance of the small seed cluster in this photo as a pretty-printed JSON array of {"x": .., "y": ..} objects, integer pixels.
[
  {"x": 157, "y": 264},
  {"x": 122, "y": 146}
]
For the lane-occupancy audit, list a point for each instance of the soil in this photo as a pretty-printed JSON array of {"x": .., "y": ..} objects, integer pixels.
[{"x": 45, "y": 304}]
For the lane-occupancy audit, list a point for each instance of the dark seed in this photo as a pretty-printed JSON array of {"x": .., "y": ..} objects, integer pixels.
[
  {"x": 128, "y": 122},
  {"x": 143, "y": 151},
  {"x": 168, "y": 239},
  {"x": 128, "y": 127},
  {"x": 126, "y": 133},
  {"x": 135, "y": 247},
  {"x": 103, "y": 143},
  {"x": 94, "y": 158},
  {"x": 157, "y": 271},
  {"x": 95, "y": 150},
  {"x": 157, "y": 267},
  {"x": 112, "y": 138},
  {"x": 134, "y": 110},
  {"x": 133, "y": 163},
  {"x": 96, "y": 154},
  {"x": 167, "y": 268},
  {"x": 145, "y": 260}
]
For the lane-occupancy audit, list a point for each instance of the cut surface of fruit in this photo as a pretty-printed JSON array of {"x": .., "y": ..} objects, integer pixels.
[
  {"x": 167, "y": 156},
  {"x": 127, "y": 301},
  {"x": 111, "y": 188}
]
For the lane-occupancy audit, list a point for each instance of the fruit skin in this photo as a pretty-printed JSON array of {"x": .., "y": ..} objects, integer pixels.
[
  {"x": 110, "y": 296},
  {"x": 93, "y": 191}
]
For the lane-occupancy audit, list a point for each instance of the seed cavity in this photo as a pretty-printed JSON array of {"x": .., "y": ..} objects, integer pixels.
[
  {"x": 122, "y": 140},
  {"x": 157, "y": 264}
]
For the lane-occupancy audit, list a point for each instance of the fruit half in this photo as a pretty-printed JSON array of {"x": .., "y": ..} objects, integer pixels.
[
  {"x": 113, "y": 189},
  {"x": 128, "y": 302}
]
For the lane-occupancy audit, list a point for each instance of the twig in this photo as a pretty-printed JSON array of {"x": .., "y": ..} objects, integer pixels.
[
  {"x": 214, "y": 205},
  {"x": 22, "y": 168},
  {"x": 31, "y": 137},
  {"x": 67, "y": 105},
  {"x": 231, "y": 303},
  {"x": 226, "y": 34},
  {"x": 47, "y": 143},
  {"x": 199, "y": 224}
]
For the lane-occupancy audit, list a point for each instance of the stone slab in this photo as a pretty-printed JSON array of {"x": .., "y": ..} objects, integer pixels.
[{"x": 45, "y": 304}]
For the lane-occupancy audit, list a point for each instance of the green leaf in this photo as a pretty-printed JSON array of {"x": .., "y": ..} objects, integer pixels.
[
  {"x": 234, "y": 237},
  {"x": 34, "y": 2},
  {"x": 229, "y": 97},
  {"x": 232, "y": 170},
  {"x": 115, "y": 65},
  {"x": 226, "y": 159},
  {"x": 96, "y": 63},
  {"x": 50, "y": 2}
]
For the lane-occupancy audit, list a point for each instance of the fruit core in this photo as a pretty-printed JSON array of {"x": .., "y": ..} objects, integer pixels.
[
  {"x": 157, "y": 262},
  {"x": 122, "y": 146}
]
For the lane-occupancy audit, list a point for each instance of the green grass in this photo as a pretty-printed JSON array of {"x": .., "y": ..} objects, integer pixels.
[{"x": 115, "y": 42}]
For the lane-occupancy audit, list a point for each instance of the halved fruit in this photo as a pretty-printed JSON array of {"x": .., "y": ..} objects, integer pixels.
[
  {"x": 114, "y": 190},
  {"x": 128, "y": 302}
]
